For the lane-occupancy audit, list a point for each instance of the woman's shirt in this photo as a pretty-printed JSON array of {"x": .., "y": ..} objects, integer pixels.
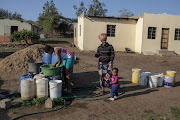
[
  {"x": 65, "y": 53},
  {"x": 106, "y": 53},
  {"x": 113, "y": 79}
]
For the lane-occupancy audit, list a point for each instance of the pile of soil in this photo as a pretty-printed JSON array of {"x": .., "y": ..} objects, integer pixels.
[{"x": 17, "y": 63}]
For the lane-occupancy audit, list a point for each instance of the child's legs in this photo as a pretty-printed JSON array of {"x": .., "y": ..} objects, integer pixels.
[{"x": 114, "y": 91}]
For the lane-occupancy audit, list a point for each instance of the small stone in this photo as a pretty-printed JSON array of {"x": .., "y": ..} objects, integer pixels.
[
  {"x": 5, "y": 103},
  {"x": 49, "y": 103}
]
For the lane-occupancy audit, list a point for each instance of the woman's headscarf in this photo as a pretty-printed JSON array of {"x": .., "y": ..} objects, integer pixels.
[{"x": 102, "y": 36}]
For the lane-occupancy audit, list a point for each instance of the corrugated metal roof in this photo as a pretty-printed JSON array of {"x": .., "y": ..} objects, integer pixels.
[{"x": 20, "y": 21}]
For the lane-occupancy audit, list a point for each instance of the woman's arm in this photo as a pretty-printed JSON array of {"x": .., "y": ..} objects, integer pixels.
[
  {"x": 98, "y": 53},
  {"x": 58, "y": 51}
]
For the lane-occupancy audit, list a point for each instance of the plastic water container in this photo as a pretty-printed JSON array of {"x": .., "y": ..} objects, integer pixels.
[
  {"x": 143, "y": 78},
  {"x": 172, "y": 73},
  {"x": 160, "y": 78},
  {"x": 168, "y": 81},
  {"x": 27, "y": 89},
  {"x": 55, "y": 87},
  {"x": 34, "y": 66},
  {"x": 47, "y": 58},
  {"x": 54, "y": 58},
  {"x": 42, "y": 87},
  {"x": 135, "y": 75},
  {"x": 39, "y": 76},
  {"x": 23, "y": 77},
  {"x": 153, "y": 81}
]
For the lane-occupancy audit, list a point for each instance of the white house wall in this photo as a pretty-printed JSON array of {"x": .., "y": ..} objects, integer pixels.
[
  {"x": 7, "y": 23},
  {"x": 125, "y": 33},
  {"x": 160, "y": 21},
  {"x": 80, "y": 32},
  {"x": 139, "y": 34}
]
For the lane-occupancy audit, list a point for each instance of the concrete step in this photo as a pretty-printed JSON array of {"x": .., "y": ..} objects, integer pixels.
[{"x": 166, "y": 53}]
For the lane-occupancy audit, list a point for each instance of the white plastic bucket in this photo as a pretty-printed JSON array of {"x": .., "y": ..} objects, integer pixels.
[
  {"x": 42, "y": 87},
  {"x": 160, "y": 78},
  {"x": 55, "y": 87},
  {"x": 143, "y": 78},
  {"x": 168, "y": 81},
  {"x": 38, "y": 76},
  {"x": 27, "y": 89},
  {"x": 153, "y": 81}
]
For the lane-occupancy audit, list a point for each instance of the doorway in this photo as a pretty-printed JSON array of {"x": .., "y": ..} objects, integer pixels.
[
  {"x": 14, "y": 28},
  {"x": 164, "y": 38}
]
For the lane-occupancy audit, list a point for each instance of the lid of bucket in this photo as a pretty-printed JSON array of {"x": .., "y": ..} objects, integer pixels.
[
  {"x": 169, "y": 71},
  {"x": 27, "y": 79},
  {"x": 136, "y": 69},
  {"x": 55, "y": 81}
]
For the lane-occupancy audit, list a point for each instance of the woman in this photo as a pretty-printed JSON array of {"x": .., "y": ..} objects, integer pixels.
[
  {"x": 66, "y": 58},
  {"x": 105, "y": 52}
]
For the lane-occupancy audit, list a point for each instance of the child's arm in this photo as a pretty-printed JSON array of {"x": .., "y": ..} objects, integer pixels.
[{"x": 114, "y": 82}]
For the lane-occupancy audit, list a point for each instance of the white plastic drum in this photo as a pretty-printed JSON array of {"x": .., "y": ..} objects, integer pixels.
[
  {"x": 42, "y": 87},
  {"x": 160, "y": 78},
  {"x": 168, "y": 81},
  {"x": 55, "y": 87},
  {"x": 153, "y": 81},
  {"x": 27, "y": 89},
  {"x": 143, "y": 78}
]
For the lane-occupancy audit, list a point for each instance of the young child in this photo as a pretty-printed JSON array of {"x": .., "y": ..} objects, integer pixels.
[{"x": 115, "y": 84}]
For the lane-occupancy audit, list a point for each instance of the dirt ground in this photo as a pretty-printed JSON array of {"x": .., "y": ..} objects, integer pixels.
[{"x": 138, "y": 103}]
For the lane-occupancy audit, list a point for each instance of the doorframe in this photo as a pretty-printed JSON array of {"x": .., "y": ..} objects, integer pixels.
[{"x": 162, "y": 37}]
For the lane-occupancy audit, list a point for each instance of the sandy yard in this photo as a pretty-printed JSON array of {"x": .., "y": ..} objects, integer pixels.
[{"x": 138, "y": 103}]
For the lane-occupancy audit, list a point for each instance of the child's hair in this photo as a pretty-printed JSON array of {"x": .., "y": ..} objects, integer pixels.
[
  {"x": 47, "y": 48},
  {"x": 116, "y": 69}
]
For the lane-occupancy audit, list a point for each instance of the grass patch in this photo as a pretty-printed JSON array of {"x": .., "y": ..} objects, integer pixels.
[
  {"x": 148, "y": 111},
  {"x": 92, "y": 115},
  {"x": 54, "y": 41},
  {"x": 39, "y": 101},
  {"x": 106, "y": 100},
  {"x": 58, "y": 102},
  {"x": 175, "y": 112}
]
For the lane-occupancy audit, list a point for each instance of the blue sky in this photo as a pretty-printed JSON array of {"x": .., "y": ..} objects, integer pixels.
[{"x": 30, "y": 9}]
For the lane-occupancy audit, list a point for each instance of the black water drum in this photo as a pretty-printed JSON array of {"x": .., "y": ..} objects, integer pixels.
[{"x": 34, "y": 66}]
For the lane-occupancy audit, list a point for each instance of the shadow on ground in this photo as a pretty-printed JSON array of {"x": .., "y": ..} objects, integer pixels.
[
  {"x": 3, "y": 112},
  {"x": 54, "y": 42},
  {"x": 5, "y": 54}
]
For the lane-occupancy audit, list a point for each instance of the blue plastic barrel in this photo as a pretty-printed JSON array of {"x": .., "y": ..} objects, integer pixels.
[
  {"x": 54, "y": 58},
  {"x": 23, "y": 77},
  {"x": 47, "y": 58}
]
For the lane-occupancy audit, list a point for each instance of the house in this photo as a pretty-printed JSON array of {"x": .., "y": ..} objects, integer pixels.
[
  {"x": 8, "y": 26},
  {"x": 144, "y": 33}
]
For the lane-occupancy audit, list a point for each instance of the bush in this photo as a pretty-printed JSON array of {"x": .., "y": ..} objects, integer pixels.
[{"x": 17, "y": 36}]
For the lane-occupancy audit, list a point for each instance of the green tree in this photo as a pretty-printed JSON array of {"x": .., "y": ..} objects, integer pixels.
[
  {"x": 49, "y": 18},
  {"x": 80, "y": 9},
  {"x": 7, "y": 14},
  {"x": 126, "y": 13},
  {"x": 97, "y": 9}
]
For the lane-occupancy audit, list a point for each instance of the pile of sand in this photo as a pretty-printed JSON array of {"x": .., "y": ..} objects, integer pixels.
[{"x": 16, "y": 64}]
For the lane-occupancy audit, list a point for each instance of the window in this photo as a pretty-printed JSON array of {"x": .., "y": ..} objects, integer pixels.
[
  {"x": 177, "y": 34},
  {"x": 151, "y": 32},
  {"x": 111, "y": 30}
]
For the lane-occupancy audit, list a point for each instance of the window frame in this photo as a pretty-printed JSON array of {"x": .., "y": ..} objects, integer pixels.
[
  {"x": 177, "y": 36},
  {"x": 151, "y": 33},
  {"x": 111, "y": 30}
]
